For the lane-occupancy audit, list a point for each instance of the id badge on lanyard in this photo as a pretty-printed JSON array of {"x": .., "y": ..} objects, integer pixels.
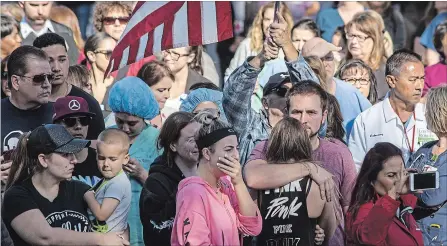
[{"x": 410, "y": 145}]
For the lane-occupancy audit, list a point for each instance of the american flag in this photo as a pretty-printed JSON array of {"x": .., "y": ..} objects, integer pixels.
[{"x": 156, "y": 26}]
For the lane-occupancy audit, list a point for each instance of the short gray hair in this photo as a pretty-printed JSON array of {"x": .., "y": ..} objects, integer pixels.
[
  {"x": 436, "y": 109},
  {"x": 400, "y": 57}
]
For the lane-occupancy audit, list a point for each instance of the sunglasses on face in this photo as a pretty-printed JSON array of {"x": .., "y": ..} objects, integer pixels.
[
  {"x": 281, "y": 91},
  {"x": 112, "y": 20},
  {"x": 40, "y": 78},
  {"x": 106, "y": 53},
  {"x": 70, "y": 122},
  {"x": 5, "y": 75}
]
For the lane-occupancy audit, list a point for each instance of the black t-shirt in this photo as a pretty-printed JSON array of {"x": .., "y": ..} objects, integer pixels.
[
  {"x": 68, "y": 210},
  {"x": 97, "y": 124},
  {"x": 87, "y": 171},
  {"x": 16, "y": 121},
  {"x": 285, "y": 217}
]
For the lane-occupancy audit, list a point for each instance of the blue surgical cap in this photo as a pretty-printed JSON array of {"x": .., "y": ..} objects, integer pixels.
[
  {"x": 131, "y": 95},
  {"x": 198, "y": 96}
]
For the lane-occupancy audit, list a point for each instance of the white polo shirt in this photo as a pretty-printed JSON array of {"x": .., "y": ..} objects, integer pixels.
[{"x": 381, "y": 124}]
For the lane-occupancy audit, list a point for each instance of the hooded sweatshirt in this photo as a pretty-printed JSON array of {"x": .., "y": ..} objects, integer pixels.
[
  {"x": 157, "y": 202},
  {"x": 205, "y": 217}
]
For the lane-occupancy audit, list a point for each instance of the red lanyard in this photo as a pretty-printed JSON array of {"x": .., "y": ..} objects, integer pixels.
[{"x": 414, "y": 131}]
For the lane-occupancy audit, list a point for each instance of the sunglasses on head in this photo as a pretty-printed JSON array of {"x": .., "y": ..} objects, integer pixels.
[
  {"x": 70, "y": 122},
  {"x": 112, "y": 20},
  {"x": 40, "y": 78}
]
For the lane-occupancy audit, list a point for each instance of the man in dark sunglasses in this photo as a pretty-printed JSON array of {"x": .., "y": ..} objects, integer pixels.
[
  {"x": 55, "y": 48},
  {"x": 29, "y": 79},
  {"x": 74, "y": 114}
]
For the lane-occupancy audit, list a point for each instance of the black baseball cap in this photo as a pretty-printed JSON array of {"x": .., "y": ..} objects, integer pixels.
[
  {"x": 276, "y": 83},
  {"x": 52, "y": 138}
]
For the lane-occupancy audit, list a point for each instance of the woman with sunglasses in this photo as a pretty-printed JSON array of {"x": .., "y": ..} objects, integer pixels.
[
  {"x": 112, "y": 17},
  {"x": 42, "y": 205},
  {"x": 98, "y": 50},
  {"x": 73, "y": 113}
]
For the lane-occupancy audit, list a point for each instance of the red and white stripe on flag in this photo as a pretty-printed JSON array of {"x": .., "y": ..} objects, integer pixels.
[{"x": 156, "y": 26}]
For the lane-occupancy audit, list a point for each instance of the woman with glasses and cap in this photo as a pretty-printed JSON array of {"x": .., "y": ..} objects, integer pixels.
[
  {"x": 42, "y": 205},
  {"x": 73, "y": 113},
  {"x": 134, "y": 106}
]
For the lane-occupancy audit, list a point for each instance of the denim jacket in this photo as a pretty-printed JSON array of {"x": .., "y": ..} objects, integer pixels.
[
  {"x": 252, "y": 127},
  {"x": 429, "y": 225}
]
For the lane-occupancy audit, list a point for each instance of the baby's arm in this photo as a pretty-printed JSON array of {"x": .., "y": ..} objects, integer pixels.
[{"x": 101, "y": 211}]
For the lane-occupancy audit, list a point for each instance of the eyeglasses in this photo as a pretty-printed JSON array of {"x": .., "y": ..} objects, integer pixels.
[
  {"x": 106, "y": 53},
  {"x": 40, "y": 79},
  {"x": 112, "y": 20},
  {"x": 70, "y": 122},
  {"x": 361, "y": 39},
  {"x": 5, "y": 75},
  {"x": 354, "y": 81},
  {"x": 174, "y": 56}
]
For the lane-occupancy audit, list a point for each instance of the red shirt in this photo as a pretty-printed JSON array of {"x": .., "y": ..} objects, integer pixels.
[{"x": 377, "y": 224}]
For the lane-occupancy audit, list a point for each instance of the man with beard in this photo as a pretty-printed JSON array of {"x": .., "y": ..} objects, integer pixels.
[
  {"x": 73, "y": 113},
  {"x": 54, "y": 46},
  {"x": 307, "y": 102},
  {"x": 30, "y": 78},
  {"x": 36, "y": 22}
]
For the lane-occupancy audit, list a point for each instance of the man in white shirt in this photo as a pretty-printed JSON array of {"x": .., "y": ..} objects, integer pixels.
[
  {"x": 400, "y": 118},
  {"x": 36, "y": 22}
]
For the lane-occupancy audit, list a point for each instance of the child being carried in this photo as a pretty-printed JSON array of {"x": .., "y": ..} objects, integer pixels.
[{"x": 109, "y": 200}]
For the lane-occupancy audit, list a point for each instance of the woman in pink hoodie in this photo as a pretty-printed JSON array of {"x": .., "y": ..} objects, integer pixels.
[{"x": 215, "y": 207}]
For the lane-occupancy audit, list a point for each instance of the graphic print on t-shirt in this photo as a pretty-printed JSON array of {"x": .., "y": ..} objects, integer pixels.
[
  {"x": 70, "y": 220},
  {"x": 11, "y": 140},
  {"x": 285, "y": 217}
]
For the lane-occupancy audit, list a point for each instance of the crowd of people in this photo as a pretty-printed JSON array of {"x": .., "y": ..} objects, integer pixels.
[{"x": 303, "y": 129}]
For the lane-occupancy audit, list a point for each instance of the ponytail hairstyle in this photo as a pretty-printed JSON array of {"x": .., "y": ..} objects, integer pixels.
[
  {"x": 288, "y": 142},
  {"x": 22, "y": 165},
  {"x": 209, "y": 121},
  {"x": 92, "y": 44},
  {"x": 196, "y": 63}
]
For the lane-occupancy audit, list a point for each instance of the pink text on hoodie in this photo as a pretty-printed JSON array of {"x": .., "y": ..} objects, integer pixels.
[{"x": 203, "y": 218}]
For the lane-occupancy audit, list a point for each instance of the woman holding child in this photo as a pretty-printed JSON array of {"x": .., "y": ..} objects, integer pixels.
[{"x": 41, "y": 205}]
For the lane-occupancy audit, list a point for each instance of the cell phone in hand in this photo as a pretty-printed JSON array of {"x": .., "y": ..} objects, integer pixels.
[
  {"x": 7, "y": 155},
  {"x": 277, "y": 5},
  {"x": 424, "y": 181}
]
